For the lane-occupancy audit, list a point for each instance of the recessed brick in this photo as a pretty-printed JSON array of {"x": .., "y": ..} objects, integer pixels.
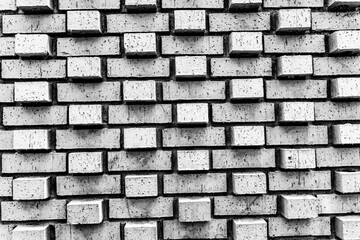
[
  {"x": 140, "y": 44},
  {"x": 31, "y": 139},
  {"x": 35, "y": 188},
  {"x": 139, "y": 91},
  {"x": 245, "y": 42},
  {"x": 141, "y": 186},
  {"x": 192, "y": 113},
  {"x": 23, "y": 232},
  {"x": 85, "y": 162},
  {"x": 190, "y": 21},
  {"x": 33, "y": 45},
  {"x": 246, "y": 89},
  {"x": 32, "y": 92},
  {"x": 249, "y": 228},
  {"x": 85, "y": 212},
  {"x": 84, "y": 67},
  {"x": 297, "y": 158},
  {"x": 190, "y": 67},
  {"x": 193, "y": 160},
  {"x": 249, "y": 183},
  {"x": 85, "y": 114},
  {"x": 299, "y": 206},
  {"x": 83, "y": 22},
  {"x": 293, "y": 20},
  {"x": 194, "y": 209},
  {"x": 248, "y": 136},
  {"x": 139, "y": 138},
  {"x": 333, "y": 4},
  {"x": 142, "y": 230}
]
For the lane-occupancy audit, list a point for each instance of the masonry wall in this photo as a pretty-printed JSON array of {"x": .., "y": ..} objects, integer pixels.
[{"x": 179, "y": 119}]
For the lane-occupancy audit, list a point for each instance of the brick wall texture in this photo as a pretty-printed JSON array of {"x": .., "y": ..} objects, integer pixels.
[{"x": 180, "y": 119}]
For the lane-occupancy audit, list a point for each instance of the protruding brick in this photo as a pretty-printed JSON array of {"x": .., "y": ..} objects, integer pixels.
[
  {"x": 346, "y": 134},
  {"x": 141, "y": 186},
  {"x": 139, "y": 138},
  {"x": 244, "y": 4},
  {"x": 247, "y": 136},
  {"x": 35, "y": 188},
  {"x": 335, "y": 21},
  {"x": 293, "y": 20},
  {"x": 35, "y": 6},
  {"x": 347, "y": 182},
  {"x": 252, "y": 88},
  {"x": 141, "y": 5},
  {"x": 249, "y": 183},
  {"x": 192, "y": 113},
  {"x": 245, "y": 42},
  {"x": 289, "y": 66},
  {"x": 190, "y": 67},
  {"x": 23, "y": 232},
  {"x": 33, "y": 45},
  {"x": 344, "y": 88},
  {"x": 194, "y": 209},
  {"x": 140, "y": 44},
  {"x": 139, "y": 91},
  {"x": 107, "y": 230},
  {"x": 31, "y": 139},
  {"x": 299, "y": 206},
  {"x": 296, "y": 112},
  {"x": 347, "y": 227},
  {"x": 249, "y": 228},
  {"x": 85, "y": 162},
  {"x": 85, "y": 114},
  {"x": 297, "y": 158},
  {"x": 343, "y": 3},
  {"x": 83, "y": 22},
  {"x": 190, "y": 21},
  {"x": 141, "y": 230},
  {"x": 32, "y": 92},
  {"x": 84, "y": 67},
  {"x": 85, "y": 212},
  {"x": 344, "y": 41},
  {"x": 193, "y": 160}
]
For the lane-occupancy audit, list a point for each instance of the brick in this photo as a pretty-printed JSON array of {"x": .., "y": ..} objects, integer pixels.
[
  {"x": 39, "y": 5},
  {"x": 297, "y": 111},
  {"x": 337, "y": 111},
  {"x": 194, "y": 209},
  {"x": 293, "y": 20},
  {"x": 294, "y": 43},
  {"x": 343, "y": 3},
  {"x": 84, "y": 67},
  {"x": 83, "y": 22},
  {"x": 334, "y": 204},
  {"x": 7, "y": 140},
  {"x": 298, "y": 181},
  {"x": 40, "y": 210},
  {"x": 89, "y": 92},
  {"x": 85, "y": 114},
  {"x": 33, "y": 69},
  {"x": 140, "y": 5},
  {"x": 33, "y": 162},
  {"x": 230, "y": 22},
  {"x": 32, "y": 92},
  {"x": 243, "y": 158},
  {"x": 6, "y": 184},
  {"x": 335, "y": 21},
  {"x": 347, "y": 182},
  {"x": 140, "y": 44},
  {"x": 241, "y": 67},
  {"x": 299, "y": 206},
  {"x": 244, "y": 4},
  {"x": 138, "y": 68},
  {"x": 7, "y": 5},
  {"x": 84, "y": 212},
  {"x": 280, "y": 227},
  {"x": 91, "y": 4},
  {"x": 135, "y": 138},
  {"x": 245, "y": 205},
  {"x": 293, "y": 4},
  {"x": 7, "y": 93},
  {"x": 144, "y": 230},
  {"x": 248, "y": 112},
  {"x": 192, "y": 113},
  {"x": 200, "y": 90},
  {"x": 88, "y": 185},
  {"x": 193, "y": 160},
  {"x": 6, "y": 230},
  {"x": 34, "y": 188},
  {"x": 337, "y": 157},
  {"x": 245, "y": 43},
  {"x": 35, "y": 116},
  {"x": 193, "y": 4},
  {"x": 125, "y": 208},
  {"x": 81, "y": 139},
  {"x": 140, "y": 114},
  {"x": 252, "y": 88},
  {"x": 296, "y": 89},
  {"x": 296, "y": 135},
  {"x": 31, "y": 232},
  {"x": 106, "y": 230},
  {"x": 185, "y": 137},
  {"x": 139, "y": 91},
  {"x": 346, "y": 134},
  {"x": 288, "y": 66},
  {"x": 141, "y": 186},
  {"x": 194, "y": 183},
  {"x": 216, "y": 228},
  {"x": 139, "y": 161},
  {"x": 297, "y": 158},
  {"x": 344, "y": 41},
  {"x": 189, "y": 21},
  {"x": 249, "y": 228},
  {"x": 33, "y": 45},
  {"x": 345, "y": 88},
  {"x": 90, "y": 46},
  {"x": 7, "y": 45},
  {"x": 146, "y": 22},
  {"x": 31, "y": 139},
  {"x": 247, "y": 136},
  {"x": 190, "y": 67},
  {"x": 190, "y": 45},
  {"x": 347, "y": 227},
  {"x": 38, "y": 23},
  {"x": 249, "y": 183},
  {"x": 85, "y": 162}
]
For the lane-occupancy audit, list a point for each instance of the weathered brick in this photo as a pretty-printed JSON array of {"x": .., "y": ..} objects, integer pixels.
[
  {"x": 85, "y": 114},
  {"x": 89, "y": 46},
  {"x": 143, "y": 230},
  {"x": 193, "y": 4},
  {"x": 7, "y": 93},
  {"x": 296, "y": 111},
  {"x": 84, "y": 67},
  {"x": 296, "y": 89},
  {"x": 190, "y": 67},
  {"x": 6, "y": 189},
  {"x": 32, "y": 92},
  {"x": 344, "y": 41},
  {"x": 334, "y": 203},
  {"x": 293, "y": 4},
  {"x": 296, "y": 135},
  {"x": 35, "y": 188},
  {"x": 140, "y": 5},
  {"x": 229, "y": 22},
  {"x": 334, "y": 21},
  {"x": 139, "y": 91},
  {"x": 336, "y": 111},
  {"x": 337, "y": 157},
  {"x": 297, "y": 158},
  {"x": 190, "y": 45},
  {"x": 106, "y": 230},
  {"x": 23, "y": 232},
  {"x": 329, "y": 66},
  {"x": 343, "y": 3},
  {"x": 194, "y": 209},
  {"x": 245, "y": 42},
  {"x": 33, "y": 45},
  {"x": 140, "y": 44},
  {"x": 345, "y": 88},
  {"x": 248, "y": 136},
  {"x": 141, "y": 186},
  {"x": 249, "y": 183},
  {"x": 83, "y": 22},
  {"x": 288, "y": 66},
  {"x": 84, "y": 212},
  {"x": 347, "y": 182},
  {"x": 189, "y": 21},
  {"x": 31, "y": 139},
  {"x": 347, "y": 227},
  {"x": 249, "y": 228},
  {"x": 135, "y": 138},
  {"x": 293, "y": 20},
  {"x": 192, "y": 113},
  {"x": 85, "y": 162},
  {"x": 90, "y": 4},
  {"x": 252, "y": 88},
  {"x": 193, "y": 160},
  {"x": 299, "y": 206},
  {"x": 241, "y": 67},
  {"x": 294, "y": 44}
]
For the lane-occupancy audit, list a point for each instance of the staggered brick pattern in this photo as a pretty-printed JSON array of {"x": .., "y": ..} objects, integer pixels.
[{"x": 180, "y": 119}]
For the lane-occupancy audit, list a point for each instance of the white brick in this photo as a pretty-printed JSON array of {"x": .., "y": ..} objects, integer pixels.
[
  {"x": 343, "y": 3},
  {"x": 249, "y": 183},
  {"x": 190, "y": 67},
  {"x": 85, "y": 212},
  {"x": 343, "y": 88},
  {"x": 245, "y": 42},
  {"x": 295, "y": 66},
  {"x": 86, "y": 162},
  {"x": 346, "y": 134},
  {"x": 23, "y": 232},
  {"x": 192, "y": 113},
  {"x": 307, "y": 43},
  {"x": 6, "y": 184},
  {"x": 244, "y": 4},
  {"x": 299, "y": 206},
  {"x": 141, "y": 230},
  {"x": 193, "y": 160},
  {"x": 344, "y": 41},
  {"x": 247, "y": 136},
  {"x": 192, "y": 4},
  {"x": 141, "y": 186},
  {"x": 32, "y": 92},
  {"x": 140, "y": 5},
  {"x": 140, "y": 44},
  {"x": 7, "y": 93},
  {"x": 187, "y": 21},
  {"x": 190, "y": 45},
  {"x": 35, "y": 5},
  {"x": 7, "y": 5},
  {"x": 293, "y": 4},
  {"x": 83, "y": 22},
  {"x": 297, "y": 158},
  {"x": 31, "y": 139},
  {"x": 33, "y": 45},
  {"x": 139, "y": 91},
  {"x": 88, "y": 4},
  {"x": 31, "y": 188},
  {"x": 84, "y": 67},
  {"x": 194, "y": 209},
  {"x": 347, "y": 227},
  {"x": 249, "y": 228},
  {"x": 288, "y": 20},
  {"x": 85, "y": 114},
  {"x": 347, "y": 182},
  {"x": 296, "y": 112},
  {"x": 252, "y": 88},
  {"x": 139, "y": 138}
]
